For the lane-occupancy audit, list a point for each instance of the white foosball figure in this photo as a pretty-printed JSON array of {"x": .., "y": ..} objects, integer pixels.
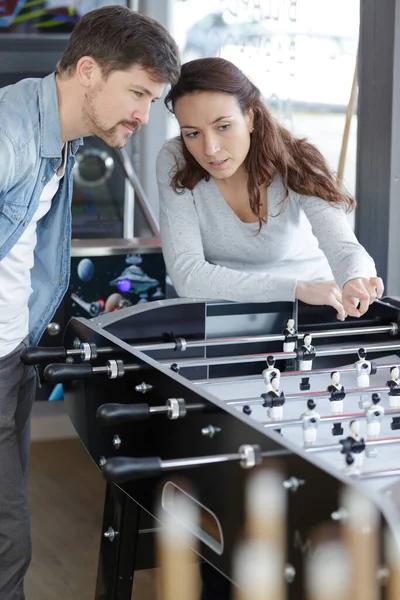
[
  {"x": 357, "y": 453},
  {"x": 364, "y": 368},
  {"x": 394, "y": 388},
  {"x": 290, "y": 333},
  {"x": 271, "y": 371},
  {"x": 374, "y": 415},
  {"x": 310, "y": 424},
  {"x": 274, "y": 401},
  {"x": 337, "y": 394},
  {"x": 307, "y": 354}
]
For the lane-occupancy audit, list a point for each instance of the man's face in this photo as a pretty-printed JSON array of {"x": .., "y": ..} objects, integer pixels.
[{"x": 117, "y": 106}]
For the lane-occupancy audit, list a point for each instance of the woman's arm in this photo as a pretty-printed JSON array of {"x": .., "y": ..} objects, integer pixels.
[{"x": 352, "y": 266}]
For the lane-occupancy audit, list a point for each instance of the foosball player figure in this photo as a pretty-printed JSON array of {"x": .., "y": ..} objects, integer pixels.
[
  {"x": 290, "y": 333},
  {"x": 306, "y": 353},
  {"x": 364, "y": 368},
  {"x": 374, "y": 415},
  {"x": 394, "y": 388},
  {"x": 337, "y": 394},
  {"x": 270, "y": 371},
  {"x": 274, "y": 401},
  {"x": 354, "y": 445},
  {"x": 310, "y": 421}
]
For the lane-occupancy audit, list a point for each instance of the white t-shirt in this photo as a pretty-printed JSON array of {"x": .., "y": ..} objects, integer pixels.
[{"x": 15, "y": 274}]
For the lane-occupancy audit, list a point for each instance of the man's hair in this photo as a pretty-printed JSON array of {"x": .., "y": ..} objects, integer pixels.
[{"x": 117, "y": 38}]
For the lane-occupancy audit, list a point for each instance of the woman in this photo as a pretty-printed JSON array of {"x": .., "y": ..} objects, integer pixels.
[{"x": 249, "y": 212}]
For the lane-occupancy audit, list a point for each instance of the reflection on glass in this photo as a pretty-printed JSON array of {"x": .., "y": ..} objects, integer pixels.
[
  {"x": 300, "y": 53},
  {"x": 45, "y": 16}
]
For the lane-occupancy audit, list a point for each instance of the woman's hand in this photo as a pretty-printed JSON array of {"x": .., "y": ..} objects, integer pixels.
[
  {"x": 320, "y": 293},
  {"x": 359, "y": 293}
]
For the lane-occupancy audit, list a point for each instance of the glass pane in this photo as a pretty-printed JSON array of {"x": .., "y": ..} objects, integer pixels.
[
  {"x": 45, "y": 16},
  {"x": 300, "y": 53}
]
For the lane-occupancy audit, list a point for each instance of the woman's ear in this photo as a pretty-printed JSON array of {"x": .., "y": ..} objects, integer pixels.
[{"x": 250, "y": 115}]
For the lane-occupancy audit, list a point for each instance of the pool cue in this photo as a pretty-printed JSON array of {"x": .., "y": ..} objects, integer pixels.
[
  {"x": 346, "y": 132},
  {"x": 360, "y": 531},
  {"x": 392, "y": 555},
  {"x": 327, "y": 572},
  {"x": 175, "y": 545}
]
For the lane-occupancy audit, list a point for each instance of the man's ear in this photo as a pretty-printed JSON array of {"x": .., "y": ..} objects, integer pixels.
[{"x": 87, "y": 71}]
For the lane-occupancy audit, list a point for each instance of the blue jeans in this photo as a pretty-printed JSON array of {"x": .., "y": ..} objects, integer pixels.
[{"x": 17, "y": 394}]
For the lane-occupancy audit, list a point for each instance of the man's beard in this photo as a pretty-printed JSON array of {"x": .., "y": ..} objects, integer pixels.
[{"x": 110, "y": 135}]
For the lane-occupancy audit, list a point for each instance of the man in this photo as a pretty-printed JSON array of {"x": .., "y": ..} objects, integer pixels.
[{"x": 115, "y": 65}]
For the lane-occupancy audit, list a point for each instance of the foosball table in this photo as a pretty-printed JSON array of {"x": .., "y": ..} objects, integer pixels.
[{"x": 207, "y": 391}]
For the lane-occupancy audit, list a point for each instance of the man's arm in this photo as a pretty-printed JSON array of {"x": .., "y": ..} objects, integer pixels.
[{"x": 7, "y": 166}]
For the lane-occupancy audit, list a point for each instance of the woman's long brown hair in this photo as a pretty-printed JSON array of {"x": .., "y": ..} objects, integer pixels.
[{"x": 273, "y": 149}]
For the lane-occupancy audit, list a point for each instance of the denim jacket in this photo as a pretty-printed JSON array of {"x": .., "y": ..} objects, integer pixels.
[{"x": 30, "y": 153}]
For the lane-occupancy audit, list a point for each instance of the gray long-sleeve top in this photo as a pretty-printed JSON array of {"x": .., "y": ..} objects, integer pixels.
[{"x": 210, "y": 253}]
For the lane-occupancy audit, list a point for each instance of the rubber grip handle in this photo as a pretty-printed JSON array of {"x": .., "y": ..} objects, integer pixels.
[
  {"x": 121, "y": 469},
  {"x": 59, "y": 373},
  {"x": 115, "y": 414},
  {"x": 35, "y": 355}
]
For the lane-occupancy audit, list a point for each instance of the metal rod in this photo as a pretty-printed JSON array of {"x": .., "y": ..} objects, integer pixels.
[
  {"x": 196, "y": 406},
  {"x": 327, "y": 419},
  {"x": 201, "y": 461},
  {"x": 246, "y": 358},
  {"x": 392, "y": 329},
  {"x": 368, "y": 443},
  {"x": 106, "y": 370},
  {"x": 374, "y": 474},
  {"x": 301, "y": 395},
  {"x": 157, "y": 410},
  {"x": 148, "y": 211},
  {"x": 100, "y": 350},
  {"x": 183, "y": 463},
  {"x": 284, "y": 374}
]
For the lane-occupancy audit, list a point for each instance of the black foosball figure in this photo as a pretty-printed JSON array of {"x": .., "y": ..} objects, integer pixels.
[
  {"x": 337, "y": 394},
  {"x": 274, "y": 401},
  {"x": 291, "y": 337},
  {"x": 306, "y": 354},
  {"x": 394, "y": 387},
  {"x": 270, "y": 372}
]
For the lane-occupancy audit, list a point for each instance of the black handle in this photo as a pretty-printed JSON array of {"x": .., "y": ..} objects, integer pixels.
[
  {"x": 114, "y": 414},
  {"x": 123, "y": 468},
  {"x": 60, "y": 373},
  {"x": 35, "y": 355}
]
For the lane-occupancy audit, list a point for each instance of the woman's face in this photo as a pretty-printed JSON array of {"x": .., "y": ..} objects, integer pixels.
[{"x": 215, "y": 131}]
